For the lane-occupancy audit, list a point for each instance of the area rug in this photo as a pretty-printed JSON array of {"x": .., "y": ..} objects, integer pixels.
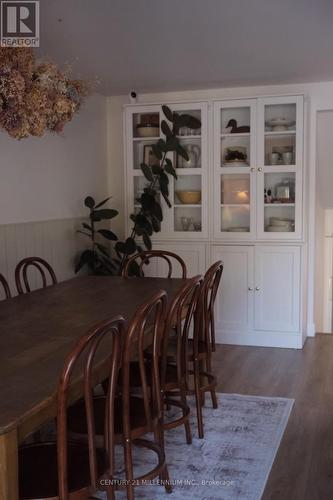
[{"x": 233, "y": 460}]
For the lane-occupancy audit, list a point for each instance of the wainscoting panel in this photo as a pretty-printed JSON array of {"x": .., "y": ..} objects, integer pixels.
[{"x": 55, "y": 241}]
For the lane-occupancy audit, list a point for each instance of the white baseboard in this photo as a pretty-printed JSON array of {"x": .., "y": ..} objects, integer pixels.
[
  {"x": 261, "y": 339},
  {"x": 311, "y": 330}
]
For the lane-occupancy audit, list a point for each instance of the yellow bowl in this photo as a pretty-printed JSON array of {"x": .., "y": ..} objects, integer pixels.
[{"x": 189, "y": 197}]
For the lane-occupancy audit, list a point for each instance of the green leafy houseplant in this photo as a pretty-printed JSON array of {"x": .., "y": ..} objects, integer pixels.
[
  {"x": 149, "y": 217},
  {"x": 147, "y": 220},
  {"x": 97, "y": 258}
]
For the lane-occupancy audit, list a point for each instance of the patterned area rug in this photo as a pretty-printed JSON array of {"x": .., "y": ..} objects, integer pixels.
[{"x": 232, "y": 462}]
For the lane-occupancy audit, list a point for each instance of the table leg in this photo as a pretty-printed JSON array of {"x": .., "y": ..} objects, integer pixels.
[{"x": 9, "y": 466}]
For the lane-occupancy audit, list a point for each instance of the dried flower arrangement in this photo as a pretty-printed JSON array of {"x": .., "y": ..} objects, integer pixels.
[{"x": 35, "y": 98}]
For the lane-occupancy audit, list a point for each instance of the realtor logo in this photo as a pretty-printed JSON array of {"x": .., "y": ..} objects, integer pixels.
[{"x": 19, "y": 23}]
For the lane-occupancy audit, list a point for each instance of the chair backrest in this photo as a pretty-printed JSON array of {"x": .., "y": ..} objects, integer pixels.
[
  {"x": 148, "y": 320},
  {"x": 180, "y": 322},
  {"x": 209, "y": 291},
  {"x": 21, "y": 273},
  {"x": 83, "y": 356},
  {"x": 134, "y": 264},
  {"x": 5, "y": 286}
]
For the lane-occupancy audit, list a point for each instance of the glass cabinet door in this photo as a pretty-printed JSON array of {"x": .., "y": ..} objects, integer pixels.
[
  {"x": 142, "y": 130},
  {"x": 279, "y": 177},
  {"x": 188, "y": 217},
  {"x": 234, "y": 169}
]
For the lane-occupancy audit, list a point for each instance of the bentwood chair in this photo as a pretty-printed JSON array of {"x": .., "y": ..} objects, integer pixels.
[
  {"x": 212, "y": 282},
  {"x": 174, "y": 353},
  {"x": 200, "y": 347},
  {"x": 139, "y": 413},
  {"x": 134, "y": 265},
  {"x": 5, "y": 286},
  {"x": 21, "y": 273},
  {"x": 198, "y": 350},
  {"x": 68, "y": 470}
]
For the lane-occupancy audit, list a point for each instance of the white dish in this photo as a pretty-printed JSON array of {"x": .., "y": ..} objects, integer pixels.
[
  {"x": 279, "y": 124},
  {"x": 235, "y": 163},
  {"x": 238, "y": 229},
  {"x": 276, "y": 221},
  {"x": 279, "y": 229}
]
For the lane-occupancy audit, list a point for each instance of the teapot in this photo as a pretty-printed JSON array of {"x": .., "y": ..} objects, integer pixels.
[{"x": 194, "y": 153}]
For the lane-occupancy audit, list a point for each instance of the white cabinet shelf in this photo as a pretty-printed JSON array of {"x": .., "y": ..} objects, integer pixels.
[
  {"x": 280, "y": 132},
  {"x": 146, "y": 139},
  {"x": 241, "y": 134}
]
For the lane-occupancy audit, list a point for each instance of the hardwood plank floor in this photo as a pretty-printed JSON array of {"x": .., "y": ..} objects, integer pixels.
[{"x": 303, "y": 467}]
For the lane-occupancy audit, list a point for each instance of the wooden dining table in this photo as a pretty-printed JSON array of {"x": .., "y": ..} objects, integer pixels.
[{"x": 37, "y": 331}]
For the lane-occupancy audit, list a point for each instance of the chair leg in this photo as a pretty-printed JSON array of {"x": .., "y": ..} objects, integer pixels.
[
  {"x": 212, "y": 331},
  {"x": 202, "y": 382},
  {"x": 110, "y": 495},
  {"x": 129, "y": 469},
  {"x": 164, "y": 476},
  {"x": 187, "y": 425},
  {"x": 198, "y": 398},
  {"x": 212, "y": 390}
]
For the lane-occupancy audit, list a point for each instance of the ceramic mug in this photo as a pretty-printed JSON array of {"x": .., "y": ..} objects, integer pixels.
[
  {"x": 275, "y": 158},
  {"x": 287, "y": 158},
  {"x": 186, "y": 222}
]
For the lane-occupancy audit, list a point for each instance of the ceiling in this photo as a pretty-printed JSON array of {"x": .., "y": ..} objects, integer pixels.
[{"x": 162, "y": 45}]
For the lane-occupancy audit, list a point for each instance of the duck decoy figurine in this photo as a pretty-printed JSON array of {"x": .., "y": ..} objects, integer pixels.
[{"x": 237, "y": 130}]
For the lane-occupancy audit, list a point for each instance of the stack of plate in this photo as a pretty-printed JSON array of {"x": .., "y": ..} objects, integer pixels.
[
  {"x": 280, "y": 225},
  {"x": 238, "y": 229}
]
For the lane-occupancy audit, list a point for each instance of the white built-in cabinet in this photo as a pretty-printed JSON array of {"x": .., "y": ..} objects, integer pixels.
[{"x": 249, "y": 213}]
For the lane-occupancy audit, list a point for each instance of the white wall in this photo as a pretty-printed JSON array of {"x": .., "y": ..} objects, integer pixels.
[
  {"x": 116, "y": 166},
  {"x": 324, "y": 201},
  {"x": 319, "y": 97},
  {"x": 47, "y": 178},
  {"x": 319, "y": 267}
]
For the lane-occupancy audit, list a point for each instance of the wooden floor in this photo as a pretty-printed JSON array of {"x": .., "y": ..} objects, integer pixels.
[{"x": 303, "y": 467}]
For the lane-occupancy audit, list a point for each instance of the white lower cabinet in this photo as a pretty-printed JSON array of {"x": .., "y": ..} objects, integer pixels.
[
  {"x": 277, "y": 288},
  {"x": 259, "y": 297},
  {"x": 234, "y": 304}
]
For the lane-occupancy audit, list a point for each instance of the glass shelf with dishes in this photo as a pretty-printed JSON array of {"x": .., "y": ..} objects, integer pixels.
[
  {"x": 235, "y": 203},
  {"x": 188, "y": 216},
  {"x": 280, "y": 127},
  {"x": 279, "y": 178},
  {"x": 192, "y": 146},
  {"x": 258, "y": 161},
  {"x": 279, "y": 202},
  {"x": 235, "y": 136},
  {"x": 146, "y": 125},
  {"x": 234, "y": 166},
  {"x": 187, "y": 203}
]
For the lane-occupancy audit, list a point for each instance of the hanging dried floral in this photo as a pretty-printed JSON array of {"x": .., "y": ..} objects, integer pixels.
[{"x": 35, "y": 98}]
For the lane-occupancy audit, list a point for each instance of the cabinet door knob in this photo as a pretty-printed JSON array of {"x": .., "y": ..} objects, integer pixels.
[
  {"x": 257, "y": 288},
  {"x": 252, "y": 169},
  {"x": 250, "y": 288},
  {"x": 259, "y": 169}
]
